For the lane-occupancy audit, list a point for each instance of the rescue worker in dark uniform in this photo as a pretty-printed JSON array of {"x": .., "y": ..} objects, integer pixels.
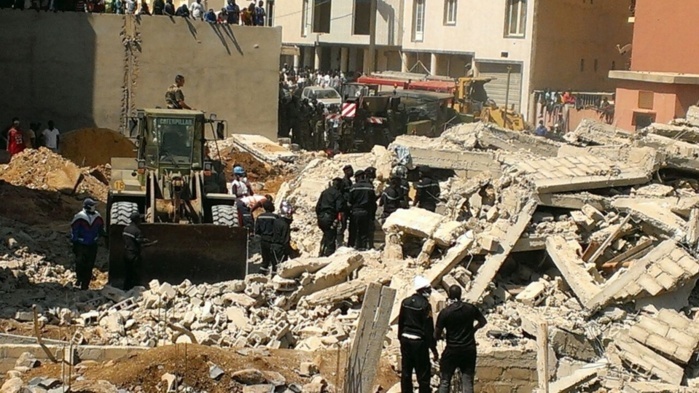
[
  {"x": 133, "y": 241},
  {"x": 416, "y": 336},
  {"x": 362, "y": 200},
  {"x": 391, "y": 198},
  {"x": 427, "y": 195},
  {"x": 346, "y": 186},
  {"x": 351, "y": 236},
  {"x": 370, "y": 174},
  {"x": 174, "y": 96},
  {"x": 281, "y": 235},
  {"x": 461, "y": 320},
  {"x": 329, "y": 211},
  {"x": 85, "y": 230},
  {"x": 264, "y": 228}
]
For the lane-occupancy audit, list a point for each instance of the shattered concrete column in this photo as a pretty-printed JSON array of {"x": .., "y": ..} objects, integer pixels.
[
  {"x": 565, "y": 256},
  {"x": 493, "y": 262},
  {"x": 427, "y": 249}
]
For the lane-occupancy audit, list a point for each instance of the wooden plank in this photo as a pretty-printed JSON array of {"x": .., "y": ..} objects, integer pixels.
[
  {"x": 542, "y": 356},
  {"x": 628, "y": 254},
  {"x": 368, "y": 340},
  {"x": 608, "y": 241}
]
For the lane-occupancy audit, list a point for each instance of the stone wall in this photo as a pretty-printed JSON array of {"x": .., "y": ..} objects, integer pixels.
[
  {"x": 92, "y": 70},
  {"x": 505, "y": 370}
]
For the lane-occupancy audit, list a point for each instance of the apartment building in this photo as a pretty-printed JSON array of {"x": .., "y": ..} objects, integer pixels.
[
  {"x": 664, "y": 77},
  {"x": 524, "y": 45}
]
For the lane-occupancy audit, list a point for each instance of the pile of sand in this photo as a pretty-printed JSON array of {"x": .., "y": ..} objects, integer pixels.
[{"x": 95, "y": 146}]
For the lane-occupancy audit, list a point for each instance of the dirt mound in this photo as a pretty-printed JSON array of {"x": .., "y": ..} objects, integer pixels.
[
  {"x": 268, "y": 176},
  {"x": 41, "y": 169},
  {"x": 191, "y": 362},
  {"x": 95, "y": 146}
]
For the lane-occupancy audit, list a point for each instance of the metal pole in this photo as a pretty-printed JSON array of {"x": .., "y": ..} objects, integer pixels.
[
  {"x": 507, "y": 96},
  {"x": 371, "y": 61}
]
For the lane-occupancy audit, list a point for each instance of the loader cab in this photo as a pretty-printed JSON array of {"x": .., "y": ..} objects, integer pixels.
[{"x": 171, "y": 140}]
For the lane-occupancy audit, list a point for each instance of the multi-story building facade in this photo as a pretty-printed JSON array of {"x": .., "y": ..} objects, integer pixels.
[
  {"x": 664, "y": 77},
  {"x": 525, "y": 45}
]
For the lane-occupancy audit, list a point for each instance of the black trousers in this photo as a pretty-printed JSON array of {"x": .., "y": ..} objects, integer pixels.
[
  {"x": 131, "y": 265},
  {"x": 266, "y": 251},
  {"x": 280, "y": 254},
  {"x": 462, "y": 358},
  {"x": 84, "y": 262},
  {"x": 245, "y": 215},
  {"x": 359, "y": 229},
  {"x": 415, "y": 355},
  {"x": 328, "y": 243},
  {"x": 427, "y": 206}
]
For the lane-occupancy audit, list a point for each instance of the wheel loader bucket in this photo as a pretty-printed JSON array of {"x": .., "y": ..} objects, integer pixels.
[{"x": 201, "y": 253}]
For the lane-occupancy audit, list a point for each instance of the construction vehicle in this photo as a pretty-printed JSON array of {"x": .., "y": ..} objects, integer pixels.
[
  {"x": 182, "y": 192},
  {"x": 470, "y": 97}
]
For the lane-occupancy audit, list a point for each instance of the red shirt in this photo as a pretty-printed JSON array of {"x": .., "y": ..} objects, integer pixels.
[{"x": 15, "y": 141}]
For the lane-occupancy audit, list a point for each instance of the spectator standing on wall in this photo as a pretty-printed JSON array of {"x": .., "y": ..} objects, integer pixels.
[
  {"x": 144, "y": 8},
  {"x": 182, "y": 10},
  {"x": 233, "y": 11},
  {"x": 169, "y": 8},
  {"x": 260, "y": 14},
  {"x": 197, "y": 10},
  {"x": 15, "y": 138},
  {"x": 248, "y": 14},
  {"x": 222, "y": 17},
  {"x": 130, "y": 7},
  {"x": 119, "y": 6},
  {"x": 158, "y": 6}
]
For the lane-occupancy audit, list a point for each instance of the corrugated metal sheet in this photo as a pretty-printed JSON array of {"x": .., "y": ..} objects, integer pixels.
[{"x": 497, "y": 88}]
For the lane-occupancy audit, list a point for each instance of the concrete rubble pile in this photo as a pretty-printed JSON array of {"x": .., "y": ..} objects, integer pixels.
[{"x": 597, "y": 236}]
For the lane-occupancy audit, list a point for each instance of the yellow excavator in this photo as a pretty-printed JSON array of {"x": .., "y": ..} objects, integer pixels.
[{"x": 471, "y": 100}]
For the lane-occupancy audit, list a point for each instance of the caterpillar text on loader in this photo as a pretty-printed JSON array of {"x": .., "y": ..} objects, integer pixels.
[{"x": 182, "y": 192}]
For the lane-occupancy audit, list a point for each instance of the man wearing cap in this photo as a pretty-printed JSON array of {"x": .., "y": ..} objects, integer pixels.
[
  {"x": 85, "y": 230},
  {"x": 461, "y": 320},
  {"x": 174, "y": 96},
  {"x": 427, "y": 195},
  {"x": 416, "y": 335},
  {"x": 133, "y": 241}
]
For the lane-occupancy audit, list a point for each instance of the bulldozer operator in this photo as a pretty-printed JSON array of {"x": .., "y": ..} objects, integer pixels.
[{"x": 174, "y": 96}]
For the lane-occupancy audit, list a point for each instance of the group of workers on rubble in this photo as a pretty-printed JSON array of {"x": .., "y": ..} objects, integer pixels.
[{"x": 346, "y": 205}]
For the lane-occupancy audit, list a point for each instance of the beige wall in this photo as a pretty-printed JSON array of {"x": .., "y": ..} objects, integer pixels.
[
  {"x": 289, "y": 17},
  {"x": 568, "y": 31},
  {"x": 70, "y": 67}
]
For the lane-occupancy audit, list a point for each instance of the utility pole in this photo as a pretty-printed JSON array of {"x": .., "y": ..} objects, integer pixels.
[{"x": 371, "y": 60}]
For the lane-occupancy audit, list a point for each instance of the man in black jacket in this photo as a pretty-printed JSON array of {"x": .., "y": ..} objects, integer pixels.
[
  {"x": 348, "y": 172},
  {"x": 329, "y": 211},
  {"x": 133, "y": 241},
  {"x": 427, "y": 195},
  {"x": 391, "y": 198},
  {"x": 281, "y": 235},
  {"x": 264, "y": 227},
  {"x": 461, "y": 320},
  {"x": 416, "y": 335},
  {"x": 362, "y": 201}
]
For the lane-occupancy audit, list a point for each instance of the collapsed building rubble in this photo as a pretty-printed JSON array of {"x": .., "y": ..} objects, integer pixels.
[{"x": 597, "y": 236}]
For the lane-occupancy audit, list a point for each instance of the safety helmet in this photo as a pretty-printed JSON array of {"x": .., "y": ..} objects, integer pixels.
[
  {"x": 238, "y": 170},
  {"x": 286, "y": 211},
  {"x": 399, "y": 171},
  {"x": 421, "y": 283}
]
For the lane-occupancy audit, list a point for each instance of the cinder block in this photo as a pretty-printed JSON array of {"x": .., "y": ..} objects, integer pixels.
[
  {"x": 653, "y": 326},
  {"x": 673, "y": 318},
  {"x": 671, "y": 268},
  {"x": 666, "y": 281},
  {"x": 661, "y": 344},
  {"x": 681, "y": 338},
  {"x": 689, "y": 265},
  {"x": 489, "y": 373},
  {"x": 649, "y": 285},
  {"x": 639, "y": 334}
]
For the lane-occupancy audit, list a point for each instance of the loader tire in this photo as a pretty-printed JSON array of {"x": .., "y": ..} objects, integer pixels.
[
  {"x": 225, "y": 215},
  {"x": 120, "y": 213}
]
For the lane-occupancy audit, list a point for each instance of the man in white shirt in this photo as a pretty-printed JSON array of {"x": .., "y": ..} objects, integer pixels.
[
  {"x": 197, "y": 10},
  {"x": 51, "y": 137},
  {"x": 131, "y": 7}
]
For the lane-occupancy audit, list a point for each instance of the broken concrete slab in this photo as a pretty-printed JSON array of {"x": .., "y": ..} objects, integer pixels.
[
  {"x": 337, "y": 293},
  {"x": 333, "y": 274},
  {"x": 426, "y": 151},
  {"x": 262, "y": 148},
  {"x": 669, "y": 333},
  {"x": 414, "y": 221},
  {"x": 495, "y": 137},
  {"x": 654, "y": 220},
  {"x": 640, "y": 355},
  {"x": 575, "y": 201},
  {"x": 565, "y": 256},
  {"x": 494, "y": 261},
  {"x": 656, "y": 387},
  {"x": 591, "y": 131},
  {"x": 573, "y": 345},
  {"x": 572, "y": 382},
  {"x": 294, "y": 268}
]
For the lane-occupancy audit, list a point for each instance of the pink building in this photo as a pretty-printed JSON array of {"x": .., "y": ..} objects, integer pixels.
[{"x": 664, "y": 77}]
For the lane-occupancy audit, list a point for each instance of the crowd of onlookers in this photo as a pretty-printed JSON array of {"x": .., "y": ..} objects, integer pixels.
[
  {"x": 292, "y": 79},
  {"x": 252, "y": 15},
  {"x": 14, "y": 138}
]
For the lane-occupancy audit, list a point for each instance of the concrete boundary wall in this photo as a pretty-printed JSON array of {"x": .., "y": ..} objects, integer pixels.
[
  {"x": 87, "y": 70},
  {"x": 9, "y": 353}
]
